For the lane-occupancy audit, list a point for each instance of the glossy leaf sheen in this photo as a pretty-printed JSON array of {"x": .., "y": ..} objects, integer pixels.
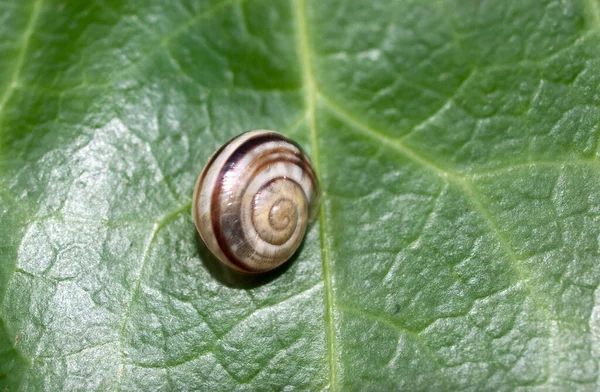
[{"x": 458, "y": 239}]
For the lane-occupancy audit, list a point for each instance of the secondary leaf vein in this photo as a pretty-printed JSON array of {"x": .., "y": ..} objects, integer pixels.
[
  {"x": 16, "y": 75},
  {"x": 145, "y": 256}
]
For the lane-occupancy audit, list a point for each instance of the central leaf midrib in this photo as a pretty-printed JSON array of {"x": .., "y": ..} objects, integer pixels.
[{"x": 309, "y": 86}]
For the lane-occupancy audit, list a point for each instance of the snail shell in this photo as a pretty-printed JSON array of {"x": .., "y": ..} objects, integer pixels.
[{"x": 254, "y": 200}]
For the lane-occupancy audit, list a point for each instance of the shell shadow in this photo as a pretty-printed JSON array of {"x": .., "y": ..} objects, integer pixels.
[{"x": 234, "y": 279}]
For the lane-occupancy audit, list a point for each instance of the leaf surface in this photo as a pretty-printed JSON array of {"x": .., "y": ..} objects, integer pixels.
[{"x": 457, "y": 246}]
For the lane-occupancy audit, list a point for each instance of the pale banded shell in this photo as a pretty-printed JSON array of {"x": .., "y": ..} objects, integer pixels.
[{"x": 254, "y": 200}]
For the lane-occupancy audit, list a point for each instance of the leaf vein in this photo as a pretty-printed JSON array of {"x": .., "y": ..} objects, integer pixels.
[
  {"x": 443, "y": 107},
  {"x": 426, "y": 224},
  {"x": 136, "y": 287},
  {"x": 290, "y": 298},
  {"x": 400, "y": 329},
  {"x": 381, "y": 136},
  {"x": 593, "y": 13},
  {"x": 16, "y": 75},
  {"x": 309, "y": 85}
]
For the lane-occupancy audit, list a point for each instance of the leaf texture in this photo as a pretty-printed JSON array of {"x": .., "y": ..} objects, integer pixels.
[{"x": 457, "y": 143}]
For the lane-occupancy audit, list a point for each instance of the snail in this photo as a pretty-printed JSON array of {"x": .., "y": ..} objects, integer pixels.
[{"x": 254, "y": 200}]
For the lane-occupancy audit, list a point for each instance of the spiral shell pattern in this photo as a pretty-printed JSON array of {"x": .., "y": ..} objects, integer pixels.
[{"x": 254, "y": 200}]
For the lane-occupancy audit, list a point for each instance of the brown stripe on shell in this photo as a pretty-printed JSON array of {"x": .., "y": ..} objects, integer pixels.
[
  {"x": 235, "y": 156},
  {"x": 308, "y": 165},
  {"x": 295, "y": 160},
  {"x": 303, "y": 162},
  {"x": 314, "y": 179},
  {"x": 264, "y": 155},
  {"x": 212, "y": 160},
  {"x": 206, "y": 169}
]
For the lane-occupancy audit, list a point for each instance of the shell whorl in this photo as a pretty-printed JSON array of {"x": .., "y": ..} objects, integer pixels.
[{"x": 254, "y": 200}]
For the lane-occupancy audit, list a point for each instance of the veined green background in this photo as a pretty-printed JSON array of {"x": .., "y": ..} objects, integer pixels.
[{"x": 457, "y": 246}]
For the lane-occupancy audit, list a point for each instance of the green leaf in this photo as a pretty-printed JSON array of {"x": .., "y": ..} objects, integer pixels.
[{"x": 457, "y": 246}]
